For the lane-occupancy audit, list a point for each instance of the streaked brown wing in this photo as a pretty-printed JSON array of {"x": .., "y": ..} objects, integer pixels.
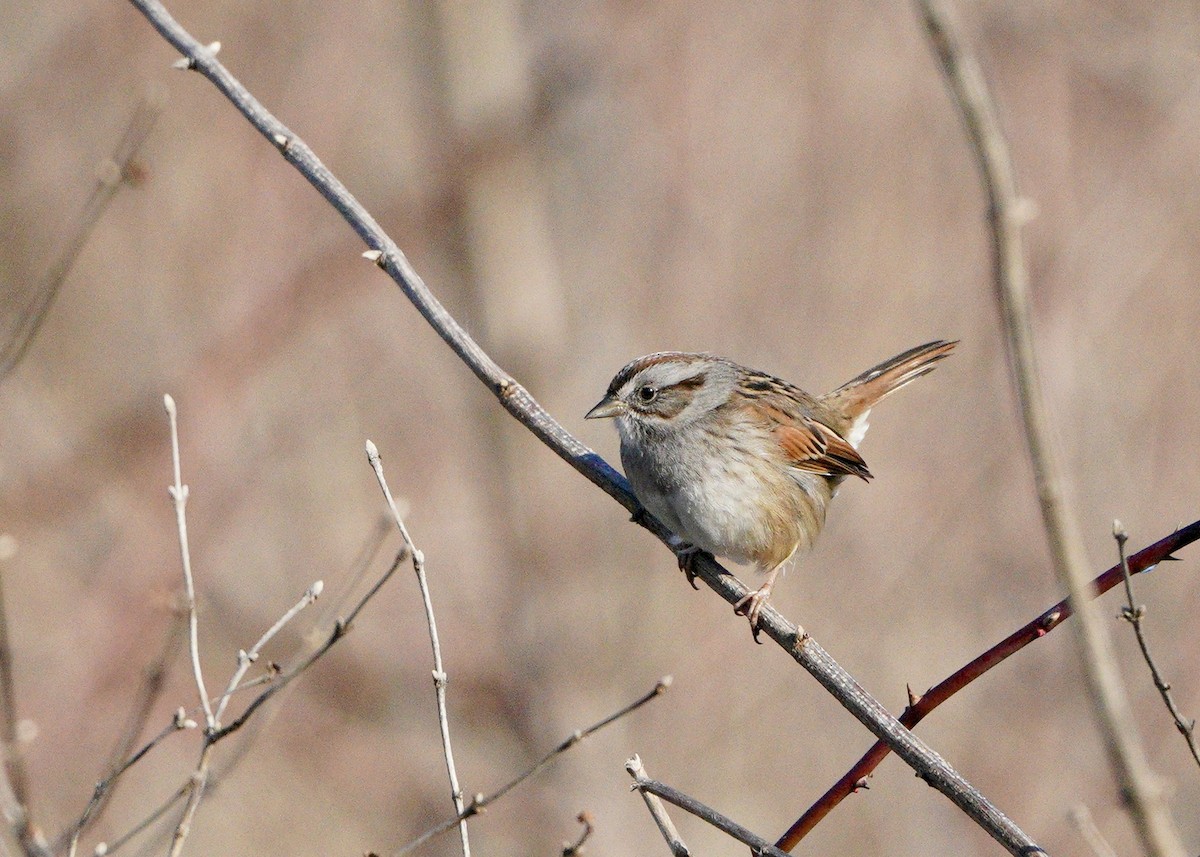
[
  {"x": 806, "y": 441},
  {"x": 814, "y": 447}
]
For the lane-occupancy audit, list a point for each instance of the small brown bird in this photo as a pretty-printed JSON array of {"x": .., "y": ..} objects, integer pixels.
[{"x": 739, "y": 463}]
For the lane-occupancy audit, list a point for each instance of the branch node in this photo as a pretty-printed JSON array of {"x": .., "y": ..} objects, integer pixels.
[{"x": 375, "y": 256}]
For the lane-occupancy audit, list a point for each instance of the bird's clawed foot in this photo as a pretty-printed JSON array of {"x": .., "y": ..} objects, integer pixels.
[
  {"x": 687, "y": 554},
  {"x": 751, "y": 606}
]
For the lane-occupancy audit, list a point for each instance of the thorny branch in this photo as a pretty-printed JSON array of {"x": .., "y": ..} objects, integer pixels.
[{"x": 921, "y": 705}]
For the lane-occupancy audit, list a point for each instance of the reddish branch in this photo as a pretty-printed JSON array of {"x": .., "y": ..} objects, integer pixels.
[{"x": 919, "y": 706}]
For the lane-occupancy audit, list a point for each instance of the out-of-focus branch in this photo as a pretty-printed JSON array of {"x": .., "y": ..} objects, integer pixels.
[
  {"x": 439, "y": 671},
  {"x": 1081, "y": 817},
  {"x": 112, "y": 173},
  {"x": 575, "y": 849},
  {"x": 1133, "y": 613},
  {"x": 480, "y": 802},
  {"x": 518, "y": 402},
  {"x": 920, "y": 706},
  {"x": 15, "y": 773},
  {"x": 1007, "y": 212},
  {"x": 103, "y": 790},
  {"x": 645, "y": 785},
  {"x": 153, "y": 681}
]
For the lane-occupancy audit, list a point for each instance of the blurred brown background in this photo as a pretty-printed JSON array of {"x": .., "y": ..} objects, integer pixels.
[{"x": 581, "y": 183}]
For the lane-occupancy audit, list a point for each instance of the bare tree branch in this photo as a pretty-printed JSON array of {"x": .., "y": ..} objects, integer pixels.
[
  {"x": 1007, "y": 212},
  {"x": 153, "y": 681},
  {"x": 1134, "y": 613},
  {"x": 518, "y": 402},
  {"x": 103, "y": 789}
]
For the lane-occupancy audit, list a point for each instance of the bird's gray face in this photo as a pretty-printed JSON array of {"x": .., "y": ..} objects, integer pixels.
[{"x": 665, "y": 390}]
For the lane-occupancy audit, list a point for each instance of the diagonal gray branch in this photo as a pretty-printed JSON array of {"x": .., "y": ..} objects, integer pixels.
[{"x": 518, "y": 402}]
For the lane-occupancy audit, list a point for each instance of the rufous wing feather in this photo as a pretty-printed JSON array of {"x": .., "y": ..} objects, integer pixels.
[{"x": 814, "y": 447}]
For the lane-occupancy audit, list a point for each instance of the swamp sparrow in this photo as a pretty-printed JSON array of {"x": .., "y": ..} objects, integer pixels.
[{"x": 741, "y": 464}]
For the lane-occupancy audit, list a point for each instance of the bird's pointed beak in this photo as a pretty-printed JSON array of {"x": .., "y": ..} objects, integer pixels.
[{"x": 610, "y": 406}]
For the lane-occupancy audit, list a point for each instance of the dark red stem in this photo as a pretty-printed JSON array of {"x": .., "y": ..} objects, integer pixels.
[{"x": 939, "y": 693}]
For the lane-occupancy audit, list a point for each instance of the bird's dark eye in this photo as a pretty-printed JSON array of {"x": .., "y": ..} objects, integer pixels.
[{"x": 646, "y": 394}]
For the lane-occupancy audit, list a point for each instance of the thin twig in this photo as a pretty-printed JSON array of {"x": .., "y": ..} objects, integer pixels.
[
  {"x": 480, "y": 802},
  {"x": 112, "y": 174},
  {"x": 1007, "y": 212},
  {"x": 179, "y": 494},
  {"x": 522, "y": 406},
  {"x": 644, "y": 784},
  {"x": 439, "y": 672},
  {"x": 245, "y": 659},
  {"x": 103, "y": 788},
  {"x": 163, "y": 808},
  {"x": 922, "y": 705},
  {"x": 340, "y": 629},
  {"x": 574, "y": 849},
  {"x": 153, "y": 681},
  {"x": 658, "y": 812},
  {"x": 1134, "y": 613}
]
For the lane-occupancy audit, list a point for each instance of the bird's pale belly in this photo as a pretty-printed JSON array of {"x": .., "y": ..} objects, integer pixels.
[{"x": 723, "y": 505}]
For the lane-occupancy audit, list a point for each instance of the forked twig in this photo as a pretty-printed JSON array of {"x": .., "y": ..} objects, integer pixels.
[
  {"x": 1133, "y": 613},
  {"x": 104, "y": 788},
  {"x": 341, "y": 628},
  {"x": 644, "y": 784},
  {"x": 480, "y": 802},
  {"x": 658, "y": 812}
]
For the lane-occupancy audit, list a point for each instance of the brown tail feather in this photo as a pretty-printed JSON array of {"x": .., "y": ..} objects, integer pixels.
[{"x": 859, "y": 395}]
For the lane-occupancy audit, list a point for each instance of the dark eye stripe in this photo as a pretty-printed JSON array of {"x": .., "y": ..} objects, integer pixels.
[{"x": 692, "y": 383}]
